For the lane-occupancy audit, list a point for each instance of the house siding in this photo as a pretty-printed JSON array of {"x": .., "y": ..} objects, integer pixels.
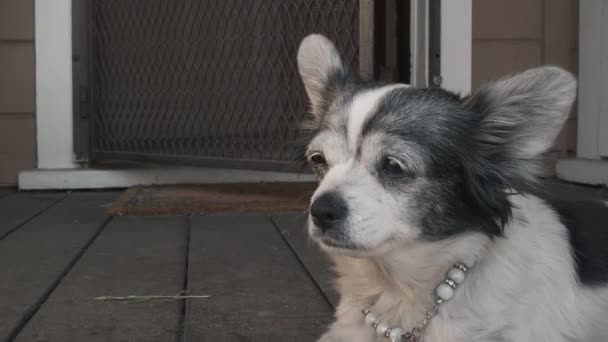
[
  {"x": 511, "y": 36},
  {"x": 17, "y": 89}
]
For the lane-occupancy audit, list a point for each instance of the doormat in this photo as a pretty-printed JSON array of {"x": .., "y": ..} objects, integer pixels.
[{"x": 213, "y": 198}]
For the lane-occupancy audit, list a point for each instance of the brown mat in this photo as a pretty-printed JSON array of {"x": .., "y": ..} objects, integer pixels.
[{"x": 215, "y": 198}]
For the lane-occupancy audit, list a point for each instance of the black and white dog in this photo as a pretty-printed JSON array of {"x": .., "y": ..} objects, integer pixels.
[{"x": 423, "y": 207}]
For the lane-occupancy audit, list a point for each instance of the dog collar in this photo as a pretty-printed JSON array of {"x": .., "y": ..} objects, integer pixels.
[{"x": 443, "y": 293}]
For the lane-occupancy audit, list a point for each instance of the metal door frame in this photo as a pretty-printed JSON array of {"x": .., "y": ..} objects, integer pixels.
[
  {"x": 81, "y": 74},
  {"x": 425, "y": 43}
]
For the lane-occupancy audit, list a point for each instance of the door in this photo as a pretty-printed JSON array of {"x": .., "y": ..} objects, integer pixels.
[{"x": 201, "y": 82}]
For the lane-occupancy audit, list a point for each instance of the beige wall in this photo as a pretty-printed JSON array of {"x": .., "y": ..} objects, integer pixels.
[
  {"x": 17, "y": 107},
  {"x": 512, "y": 35}
]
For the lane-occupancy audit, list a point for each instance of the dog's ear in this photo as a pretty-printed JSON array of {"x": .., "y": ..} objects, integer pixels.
[
  {"x": 322, "y": 71},
  {"x": 520, "y": 116}
]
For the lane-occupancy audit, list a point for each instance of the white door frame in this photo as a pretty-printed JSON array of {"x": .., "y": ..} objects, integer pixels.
[
  {"x": 54, "y": 120},
  {"x": 456, "y": 45}
]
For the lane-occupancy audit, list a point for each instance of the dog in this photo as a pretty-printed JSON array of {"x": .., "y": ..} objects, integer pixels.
[{"x": 426, "y": 206}]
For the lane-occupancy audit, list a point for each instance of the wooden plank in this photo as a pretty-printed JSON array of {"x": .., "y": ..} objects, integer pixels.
[
  {"x": 17, "y": 20},
  {"x": 493, "y": 59},
  {"x": 34, "y": 258},
  {"x": 6, "y": 191},
  {"x": 18, "y": 208},
  {"x": 561, "y": 33},
  {"x": 17, "y": 145},
  {"x": 514, "y": 19},
  {"x": 14, "y": 164},
  {"x": 17, "y": 134},
  {"x": 260, "y": 291},
  {"x": 17, "y": 63},
  {"x": 132, "y": 256},
  {"x": 317, "y": 263}
]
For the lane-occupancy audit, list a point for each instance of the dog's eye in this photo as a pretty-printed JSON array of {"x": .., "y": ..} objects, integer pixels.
[
  {"x": 393, "y": 166},
  {"x": 317, "y": 160}
]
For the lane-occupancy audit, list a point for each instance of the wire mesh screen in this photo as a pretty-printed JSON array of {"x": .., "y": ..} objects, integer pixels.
[{"x": 217, "y": 79}]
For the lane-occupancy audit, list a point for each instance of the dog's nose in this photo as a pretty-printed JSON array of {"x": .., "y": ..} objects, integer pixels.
[{"x": 328, "y": 211}]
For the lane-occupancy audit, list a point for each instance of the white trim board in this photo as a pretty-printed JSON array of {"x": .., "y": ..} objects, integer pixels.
[
  {"x": 60, "y": 179},
  {"x": 585, "y": 171},
  {"x": 456, "y": 45},
  {"x": 593, "y": 80},
  {"x": 54, "y": 120}
]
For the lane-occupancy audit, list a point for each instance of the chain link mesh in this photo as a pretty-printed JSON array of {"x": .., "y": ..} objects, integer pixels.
[{"x": 215, "y": 78}]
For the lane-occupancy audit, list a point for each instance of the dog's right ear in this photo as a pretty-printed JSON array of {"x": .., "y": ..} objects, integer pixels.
[{"x": 322, "y": 71}]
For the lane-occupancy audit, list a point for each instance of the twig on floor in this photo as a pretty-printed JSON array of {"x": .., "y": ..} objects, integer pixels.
[{"x": 136, "y": 299}]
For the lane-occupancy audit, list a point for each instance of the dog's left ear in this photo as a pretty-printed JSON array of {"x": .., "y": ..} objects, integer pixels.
[
  {"x": 322, "y": 71},
  {"x": 520, "y": 116}
]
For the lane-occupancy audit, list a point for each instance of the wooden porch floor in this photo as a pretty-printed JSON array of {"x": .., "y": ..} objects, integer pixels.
[{"x": 59, "y": 251}]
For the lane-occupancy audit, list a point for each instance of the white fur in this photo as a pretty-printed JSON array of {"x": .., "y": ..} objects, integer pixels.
[
  {"x": 317, "y": 57},
  {"x": 362, "y": 106},
  {"x": 337, "y": 154},
  {"x": 522, "y": 287},
  {"x": 374, "y": 221}
]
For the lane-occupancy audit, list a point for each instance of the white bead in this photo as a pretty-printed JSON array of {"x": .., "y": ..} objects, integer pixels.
[
  {"x": 370, "y": 318},
  {"x": 457, "y": 275},
  {"x": 395, "y": 334},
  {"x": 382, "y": 328},
  {"x": 462, "y": 267},
  {"x": 444, "y": 291}
]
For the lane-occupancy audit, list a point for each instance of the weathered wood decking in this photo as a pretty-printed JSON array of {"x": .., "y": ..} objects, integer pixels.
[{"x": 58, "y": 251}]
